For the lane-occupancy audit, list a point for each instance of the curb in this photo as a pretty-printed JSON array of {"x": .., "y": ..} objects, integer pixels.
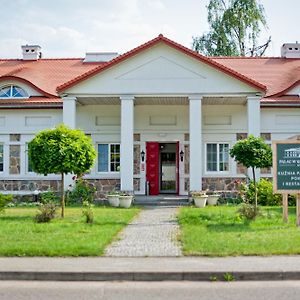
[{"x": 150, "y": 276}]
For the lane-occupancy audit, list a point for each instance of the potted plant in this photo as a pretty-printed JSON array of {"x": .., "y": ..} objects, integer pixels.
[
  {"x": 213, "y": 198},
  {"x": 199, "y": 198},
  {"x": 125, "y": 199},
  {"x": 113, "y": 198}
]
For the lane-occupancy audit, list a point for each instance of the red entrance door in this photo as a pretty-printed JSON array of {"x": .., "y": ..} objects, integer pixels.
[{"x": 152, "y": 165}]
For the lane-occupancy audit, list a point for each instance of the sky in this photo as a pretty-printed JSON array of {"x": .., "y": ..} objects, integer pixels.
[{"x": 70, "y": 28}]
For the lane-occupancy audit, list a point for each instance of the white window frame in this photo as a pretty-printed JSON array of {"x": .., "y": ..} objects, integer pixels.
[
  {"x": 11, "y": 87},
  {"x": 218, "y": 159},
  {"x": 109, "y": 158},
  {"x": 27, "y": 161}
]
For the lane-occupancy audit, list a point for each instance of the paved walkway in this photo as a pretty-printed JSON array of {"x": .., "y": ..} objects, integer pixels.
[{"x": 152, "y": 233}]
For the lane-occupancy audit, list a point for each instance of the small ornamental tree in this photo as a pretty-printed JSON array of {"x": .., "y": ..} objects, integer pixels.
[
  {"x": 61, "y": 151},
  {"x": 253, "y": 153}
]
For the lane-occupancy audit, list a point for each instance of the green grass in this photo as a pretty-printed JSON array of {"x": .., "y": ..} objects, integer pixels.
[
  {"x": 21, "y": 236},
  {"x": 218, "y": 231}
]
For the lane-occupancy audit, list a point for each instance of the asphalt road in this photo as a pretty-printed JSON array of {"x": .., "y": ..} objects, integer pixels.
[{"x": 42, "y": 290}]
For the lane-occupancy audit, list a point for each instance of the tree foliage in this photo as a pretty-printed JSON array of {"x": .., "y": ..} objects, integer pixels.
[
  {"x": 253, "y": 153},
  {"x": 61, "y": 151},
  {"x": 235, "y": 26}
]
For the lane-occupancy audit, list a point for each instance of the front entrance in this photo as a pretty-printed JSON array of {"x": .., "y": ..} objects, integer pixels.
[{"x": 162, "y": 168}]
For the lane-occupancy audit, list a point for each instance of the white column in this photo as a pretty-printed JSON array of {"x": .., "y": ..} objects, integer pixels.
[
  {"x": 69, "y": 111},
  {"x": 69, "y": 119},
  {"x": 195, "y": 142},
  {"x": 253, "y": 121},
  {"x": 253, "y": 113},
  {"x": 126, "y": 151}
]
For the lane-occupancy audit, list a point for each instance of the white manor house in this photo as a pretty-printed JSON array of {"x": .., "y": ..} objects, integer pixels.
[{"x": 159, "y": 115}]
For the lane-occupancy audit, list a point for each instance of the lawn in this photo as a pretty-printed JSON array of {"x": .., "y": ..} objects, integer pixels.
[
  {"x": 219, "y": 231},
  {"x": 21, "y": 236}
]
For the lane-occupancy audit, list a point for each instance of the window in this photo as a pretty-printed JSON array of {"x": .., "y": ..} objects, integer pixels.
[
  {"x": 217, "y": 157},
  {"x": 12, "y": 91},
  {"x": 108, "y": 157},
  {"x": 1, "y": 157},
  {"x": 28, "y": 162}
]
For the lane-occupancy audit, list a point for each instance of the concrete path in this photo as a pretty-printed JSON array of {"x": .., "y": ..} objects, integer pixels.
[{"x": 153, "y": 233}]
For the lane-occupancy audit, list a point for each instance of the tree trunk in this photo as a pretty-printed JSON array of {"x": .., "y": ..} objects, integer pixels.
[
  {"x": 62, "y": 189},
  {"x": 255, "y": 189}
]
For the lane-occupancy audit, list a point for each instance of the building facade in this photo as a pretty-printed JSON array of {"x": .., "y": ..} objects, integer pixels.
[{"x": 162, "y": 117}]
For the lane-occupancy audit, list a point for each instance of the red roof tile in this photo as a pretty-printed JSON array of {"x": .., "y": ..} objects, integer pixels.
[
  {"x": 278, "y": 74},
  {"x": 45, "y": 74},
  {"x": 275, "y": 75}
]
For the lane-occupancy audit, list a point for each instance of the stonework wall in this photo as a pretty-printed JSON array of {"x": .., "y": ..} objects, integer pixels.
[
  {"x": 217, "y": 184},
  {"x": 29, "y": 185},
  {"x": 103, "y": 186},
  {"x": 14, "y": 159},
  {"x": 186, "y": 159},
  {"x": 136, "y": 159}
]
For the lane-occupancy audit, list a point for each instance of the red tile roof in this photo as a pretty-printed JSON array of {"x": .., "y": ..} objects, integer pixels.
[
  {"x": 44, "y": 74},
  {"x": 275, "y": 76},
  {"x": 278, "y": 74}
]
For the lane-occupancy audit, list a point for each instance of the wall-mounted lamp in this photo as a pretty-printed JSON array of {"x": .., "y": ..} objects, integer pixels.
[
  {"x": 143, "y": 155},
  {"x": 181, "y": 155}
]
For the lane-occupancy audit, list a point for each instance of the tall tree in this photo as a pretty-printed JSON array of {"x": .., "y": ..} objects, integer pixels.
[
  {"x": 61, "y": 151},
  {"x": 235, "y": 26}
]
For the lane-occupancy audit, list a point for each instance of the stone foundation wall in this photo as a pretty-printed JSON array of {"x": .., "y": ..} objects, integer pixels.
[
  {"x": 229, "y": 185},
  {"x": 29, "y": 185}
]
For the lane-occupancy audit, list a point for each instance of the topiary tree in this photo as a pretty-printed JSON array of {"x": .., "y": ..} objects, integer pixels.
[
  {"x": 253, "y": 153},
  {"x": 61, "y": 151}
]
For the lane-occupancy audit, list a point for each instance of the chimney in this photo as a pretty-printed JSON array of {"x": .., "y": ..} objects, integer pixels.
[
  {"x": 290, "y": 50},
  {"x": 99, "y": 56},
  {"x": 31, "y": 52}
]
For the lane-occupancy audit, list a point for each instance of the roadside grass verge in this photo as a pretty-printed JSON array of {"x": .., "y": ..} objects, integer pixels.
[
  {"x": 219, "y": 231},
  {"x": 71, "y": 236}
]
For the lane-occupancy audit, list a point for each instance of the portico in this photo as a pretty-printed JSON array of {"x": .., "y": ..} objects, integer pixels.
[{"x": 134, "y": 121}]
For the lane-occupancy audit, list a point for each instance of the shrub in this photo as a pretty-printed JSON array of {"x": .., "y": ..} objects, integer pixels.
[
  {"x": 4, "y": 200},
  {"x": 46, "y": 212},
  {"x": 248, "y": 211},
  {"x": 82, "y": 191},
  {"x": 292, "y": 200},
  {"x": 49, "y": 197},
  {"x": 87, "y": 211},
  {"x": 266, "y": 197}
]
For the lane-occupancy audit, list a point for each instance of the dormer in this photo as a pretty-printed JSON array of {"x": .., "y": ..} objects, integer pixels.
[
  {"x": 290, "y": 50},
  {"x": 31, "y": 52}
]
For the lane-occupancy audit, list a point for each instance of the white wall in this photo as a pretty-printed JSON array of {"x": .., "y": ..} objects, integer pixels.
[
  {"x": 281, "y": 122},
  {"x": 294, "y": 91},
  {"x": 28, "y": 120}
]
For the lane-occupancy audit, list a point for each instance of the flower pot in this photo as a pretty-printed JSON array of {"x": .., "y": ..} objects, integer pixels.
[
  {"x": 125, "y": 201},
  {"x": 113, "y": 200},
  {"x": 213, "y": 199},
  {"x": 200, "y": 201}
]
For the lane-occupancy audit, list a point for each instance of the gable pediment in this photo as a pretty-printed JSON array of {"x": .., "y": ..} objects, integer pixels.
[{"x": 161, "y": 69}]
